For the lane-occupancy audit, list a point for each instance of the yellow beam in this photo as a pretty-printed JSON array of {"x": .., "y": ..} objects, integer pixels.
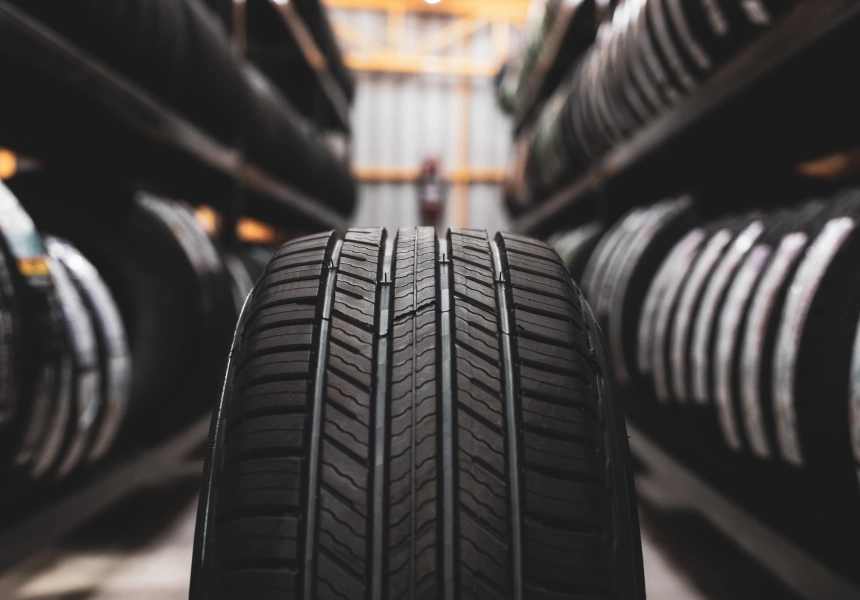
[
  {"x": 457, "y": 31},
  {"x": 397, "y": 62},
  {"x": 458, "y": 175},
  {"x": 513, "y": 11},
  {"x": 355, "y": 37},
  {"x": 396, "y": 28},
  {"x": 501, "y": 35},
  {"x": 460, "y": 212}
]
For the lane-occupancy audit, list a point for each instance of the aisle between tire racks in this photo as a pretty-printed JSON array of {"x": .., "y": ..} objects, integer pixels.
[
  {"x": 113, "y": 336},
  {"x": 736, "y": 344},
  {"x": 420, "y": 417}
]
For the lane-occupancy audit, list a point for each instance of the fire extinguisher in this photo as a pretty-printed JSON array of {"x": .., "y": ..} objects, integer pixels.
[{"x": 431, "y": 192}]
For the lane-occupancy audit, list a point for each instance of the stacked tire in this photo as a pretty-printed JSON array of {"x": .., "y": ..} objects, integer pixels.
[
  {"x": 114, "y": 333},
  {"x": 575, "y": 247},
  {"x": 65, "y": 355},
  {"x": 645, "y": 59},
  {"x": 178, "y": 51},
  {"x": 739, "y": 348}
]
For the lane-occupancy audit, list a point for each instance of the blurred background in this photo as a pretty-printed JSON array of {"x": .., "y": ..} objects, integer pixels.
[{"x": 693, "y": 162}]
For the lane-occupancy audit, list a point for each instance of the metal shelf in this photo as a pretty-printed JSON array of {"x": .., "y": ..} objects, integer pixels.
[
  {"x": 744, "y": 112},
  {"x": 103, "y": 121},
  {"x": 563, "y": 41},
  {"x": 173, "y": 458},
  {"x": 315, "y": 59},
  {"x": 669, "y": 485}
]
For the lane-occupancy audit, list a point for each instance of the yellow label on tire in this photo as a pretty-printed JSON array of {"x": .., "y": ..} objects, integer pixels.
[{"x": 36, "y": 265}]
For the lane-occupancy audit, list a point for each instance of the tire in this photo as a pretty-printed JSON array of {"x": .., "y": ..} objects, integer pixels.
[
  {"x": 32, "y": 415},
  {"x": 240, "y": 280},
  {"x": 171, "y": 287},
  {"x": 667, "y": 89},
  {"x": 597, "y": 265},
  {"x": 112, "y": 344},
  {"x": 728, "y": 329},
  {"x": 812, "y": 352},
  {"x": 704, "y": 325},
  {"x": 255, "y": 258},
  {"x": 176, "y": 291},
  {"x": 682, "y": 322},
  {"x": 669, "y": 220},
  {"x": 574, "y": 247},
  {"x": 8, "y": 327},
  {"x": 811, "y": 390},
  {"x": 658, "y": 309},
  {"x": 363, "y": 446},
  {"x": 84, "y": 391}
]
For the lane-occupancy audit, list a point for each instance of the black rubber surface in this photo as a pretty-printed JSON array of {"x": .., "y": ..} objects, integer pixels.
[
  {"x": 417, "y": 418},
  {"x": 574, "y": 247},
  {"x": 255, "y": 259},
  {"x": 315, "y": 17}
]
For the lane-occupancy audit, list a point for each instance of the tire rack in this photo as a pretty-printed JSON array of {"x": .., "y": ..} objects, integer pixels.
[
  {"x": 107, "y": 125},
  {"x": 668, "y": 484},
  {"x": 315, "y": 59},
  {"x": 331, "y": 102},
  {"x": 735, "y": 142},
  {"x": 179, "y": 456},
  {"x": 677, "y": 477},
  {"x": 779, "y": 101},
  {"x": 563, "y": 42}
]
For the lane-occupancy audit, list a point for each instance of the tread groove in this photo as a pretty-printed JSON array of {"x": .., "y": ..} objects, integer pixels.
[
  {"x": 446, "y": 400},
  {"x": 342, "y": 448},
  {"x": 553, "y": 369},
  {"x": 269, "y": 351},
  {"x": 511, "y": 410},
  {"x": 385, "y": 292},
  {"x": 562, "y": 402},
  {"x": 561, "y": 437},
  {"x": 412, "y": 415},
  {"x": 314, "y": 440},
  {"x": 265, "y": 411},
  {"x": 274, "y": 378},
  {"x": 347, "y": 377}
]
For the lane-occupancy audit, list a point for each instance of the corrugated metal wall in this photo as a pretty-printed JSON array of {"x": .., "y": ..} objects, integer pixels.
[{"x": 399, "y": 120}]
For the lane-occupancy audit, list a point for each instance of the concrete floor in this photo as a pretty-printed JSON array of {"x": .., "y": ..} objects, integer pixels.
[{"x": 142, "y": 550}]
